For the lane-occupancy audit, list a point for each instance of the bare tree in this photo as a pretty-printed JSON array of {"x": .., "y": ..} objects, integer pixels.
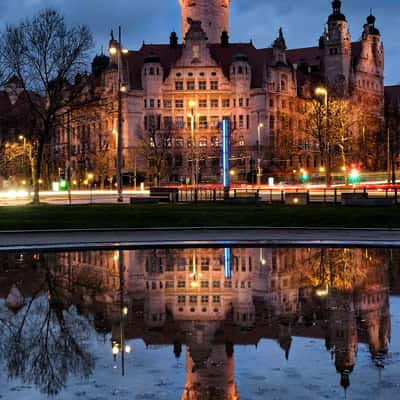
[
  {"x": 155, "y": 145},
  {"x": 46, "y": 56},
  {"x": 392, "y": 120},
  {"x": 332, "y": 125}
]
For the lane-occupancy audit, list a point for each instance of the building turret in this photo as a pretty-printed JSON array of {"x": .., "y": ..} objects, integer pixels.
[
  {"x": 337, "y": 51},
  {"x": 152, "y": 77},
  {"x": 213, "y": 14},
  {"x": 279, "y": 49}
]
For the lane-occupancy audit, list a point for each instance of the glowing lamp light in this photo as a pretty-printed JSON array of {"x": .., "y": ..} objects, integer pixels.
[
  {"x": 40, "y": 181},
  {"x": 128, "y": 349},
  {"x": 263, "y": 261},
  {"x": 296, "y": 200},
  {"x": 322, "y": 169},
  {"x": 115, "y": 350},
  {"x": 232, "y": 172},
  {"x": 125, "y": 51},
  {"x": 90, "y": 176},
  {"x": 194, "y": 284},
  {"x": 85, "y": 182},
  {"x": 113, "y": 50},
  {"x": 354, "y": 175},
  {"x": 125, "y": 311},
  {"x": 321, "y": 91},
  {"x": 74, "y": 182},
  {"x": 23, "y": 182},
  {"x": 192, "y": 104}
]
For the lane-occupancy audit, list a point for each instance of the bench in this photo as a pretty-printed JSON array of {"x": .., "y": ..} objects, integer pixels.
[
  {"x": 297, "y": 199},
  {"x": 164, "y": 194},
  {"x": 244, "y": 196},
  {"x": 351, "y": 197},
  {"x": 143, "y": 200},
  {"x": 369, "y": 202}
]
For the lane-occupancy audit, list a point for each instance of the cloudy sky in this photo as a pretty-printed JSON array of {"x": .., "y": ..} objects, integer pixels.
[{"x": 259, "y": 20}]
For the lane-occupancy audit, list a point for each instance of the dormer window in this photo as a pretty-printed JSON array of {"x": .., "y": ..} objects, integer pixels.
[{"x": 196, "y": 52}]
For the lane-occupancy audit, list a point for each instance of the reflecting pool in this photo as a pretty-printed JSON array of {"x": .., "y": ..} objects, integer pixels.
[{"x": 201, "y": 324}]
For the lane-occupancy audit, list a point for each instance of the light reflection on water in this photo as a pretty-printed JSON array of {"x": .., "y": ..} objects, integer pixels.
[{"x": 200, "y": 324}]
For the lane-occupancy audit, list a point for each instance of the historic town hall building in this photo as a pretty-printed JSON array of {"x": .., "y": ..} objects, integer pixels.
[{"x": 184, "y": 89}]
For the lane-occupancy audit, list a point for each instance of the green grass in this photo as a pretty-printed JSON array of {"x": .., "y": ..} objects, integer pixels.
[{"x": 198, "y": 215}]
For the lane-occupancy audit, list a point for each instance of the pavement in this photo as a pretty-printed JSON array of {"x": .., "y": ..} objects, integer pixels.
[{"x": 196, "y": 237}]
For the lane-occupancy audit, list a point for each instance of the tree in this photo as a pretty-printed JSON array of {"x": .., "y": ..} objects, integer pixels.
[
  {"x": 332, "y": 125},
  {"x": 46, "y": 56},
  {"x": 155, "y": 145},
  {"x": 392, "y": 122}
]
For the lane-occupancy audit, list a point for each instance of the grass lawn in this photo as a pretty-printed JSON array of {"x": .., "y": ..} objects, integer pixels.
[{"x": 197, "y": 215}]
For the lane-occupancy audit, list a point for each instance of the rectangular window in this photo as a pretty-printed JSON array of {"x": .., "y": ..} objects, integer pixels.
[
  {"x": 145, "y": 103},
  {"x": 178, "y": 103},
  {"x": 204, "y": 299},
  {"x": 226, "y": 103},
  {"x": 203, "y": 122},
  {"x": 151, "y": 103},
  {"x": 181, "y": 284},
  {"x": 215, "y": 122},
  {"x": 216, "y": 299},
  {"x": 190, "y": 85},
  {"x": 214, "y": 85},
  {"x": 178, "y": 85},
  {"x": 240, "y": 102},
  {"x": 193, "y": 299},
  {"x": 167, "y": 103},
  {"x": 168, "y": 122},
  {"x": 216, "y": 284},
  {"x": 241, "y": 122},
  {"x": 169, "y": 284},
  {"x": 179, "y": 123},
  {"x": 228, "y": 284},
  {"x": 181, "y": 299},
  {"x": 203, "y": 103},
  {"x": 202, "y": 85},
  {"x": 204, "y": 284},
  {"x": 214, "y": 103}
]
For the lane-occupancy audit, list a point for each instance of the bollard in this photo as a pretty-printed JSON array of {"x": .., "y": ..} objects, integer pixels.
[
  {"x": 335, "y": 196},
  {"x": 282, "y": 197}
]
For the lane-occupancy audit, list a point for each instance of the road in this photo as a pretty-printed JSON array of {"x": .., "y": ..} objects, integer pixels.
[{"x": 318, "y": 195}]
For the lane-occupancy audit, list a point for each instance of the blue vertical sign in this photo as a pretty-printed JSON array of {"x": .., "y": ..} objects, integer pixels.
[
  {"x": 225, "y": 153},
  {"x": 227, "y": 263}
]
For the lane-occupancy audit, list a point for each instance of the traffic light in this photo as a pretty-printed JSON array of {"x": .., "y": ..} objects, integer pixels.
[
  {"x": 354, "y": 176},
  {"x": 304, "y": 176}
]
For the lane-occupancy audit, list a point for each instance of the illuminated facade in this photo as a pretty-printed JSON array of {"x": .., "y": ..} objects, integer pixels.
[{"x": 262, "y": 91}]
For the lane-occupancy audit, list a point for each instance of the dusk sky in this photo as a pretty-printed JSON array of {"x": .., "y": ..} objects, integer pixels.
[{"x": 259, "y": 20}]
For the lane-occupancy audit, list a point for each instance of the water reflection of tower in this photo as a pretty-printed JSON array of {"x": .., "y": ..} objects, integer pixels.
[
  {"x": 342, "y": 339},
  {"x": 210, "y": 367}
]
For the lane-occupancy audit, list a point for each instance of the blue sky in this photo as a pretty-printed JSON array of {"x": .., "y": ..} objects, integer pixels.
[{"x": 153, "y": 20}]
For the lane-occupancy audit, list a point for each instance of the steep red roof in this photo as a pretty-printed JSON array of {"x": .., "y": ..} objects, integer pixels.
[
  {"x": 257, "y": 58},
  {"x": 392, "y": 94},
  {"x": 134, "y": 60}
]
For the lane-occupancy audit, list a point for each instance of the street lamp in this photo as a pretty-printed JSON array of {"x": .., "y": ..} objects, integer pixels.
[
  {"x": 89, "y": 180},
  {"x": 23, "y": 138},
  {"x": 259, "y": 173},
  {"x": 116, "y": 50},
  {"x": 192, "y": 105}
]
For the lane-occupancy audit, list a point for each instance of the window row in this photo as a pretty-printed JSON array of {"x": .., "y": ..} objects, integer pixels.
[
  {"x": 201, "y": 85},
  {"x": 195, "y": 299}
]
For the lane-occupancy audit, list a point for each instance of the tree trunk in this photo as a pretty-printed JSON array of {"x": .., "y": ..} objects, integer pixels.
[{"x": 37, "y": 171}]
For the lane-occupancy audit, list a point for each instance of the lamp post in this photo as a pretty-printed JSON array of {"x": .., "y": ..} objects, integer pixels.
[
  {"x": 322, "y": 91},
  {"x": 192, "y": 105},
  {"x": 117, "y": 51},
  {"x": 23, "y": 139},
  {"x": 90, "y": 179},
  {"x": 259, "y": 127}
]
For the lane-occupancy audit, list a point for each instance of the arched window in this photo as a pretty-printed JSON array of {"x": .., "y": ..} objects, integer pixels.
[
  {"x": 240, "y": 70},
  {"x": 151, "y": 70}
]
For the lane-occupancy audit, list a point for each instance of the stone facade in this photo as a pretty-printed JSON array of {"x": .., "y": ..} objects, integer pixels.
[{"x": 262, "y": 91}]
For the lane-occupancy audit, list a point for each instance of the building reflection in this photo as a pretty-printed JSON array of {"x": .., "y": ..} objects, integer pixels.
[{"x": 211, "y": 300}]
